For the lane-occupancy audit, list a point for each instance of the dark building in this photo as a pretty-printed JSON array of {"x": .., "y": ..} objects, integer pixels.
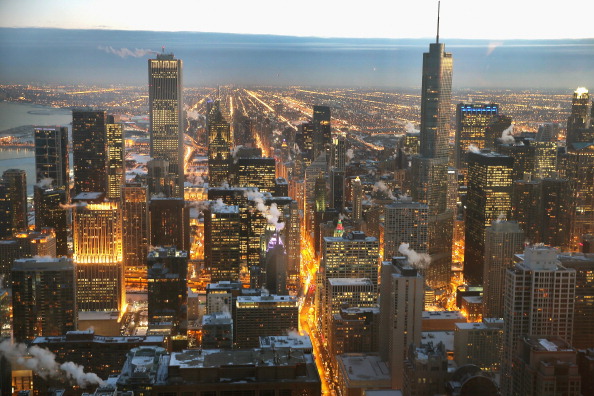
[
  {"x": 495, "y": 130},
  {"x": 276, "y": 266},
  {"x": 168, "y": 288},
  {"x": 15, "y": 181},
  {"x": 43, "y": 298},
  {"x": 256, "y": 172},
  {"x": 281, "y": 187},
  {"x": 523, "y": 151},
  {"x": 579, "y": 127},
  {"x": 222, "y": 242},
  {"x": 51, "y": 156},
  {"x": 488, "y": 198},
  {"x": 170, "y": 223},
  {"x": 304, "y": 139},
  {"x": 322, "y": 130},
  {"x": 166, "y": 117},
  {"x": 337, "y": 199},
  {"x": 219, "y": 147},
  {"x": 5, "y": 212},
  {"x": 585, "y": 361},
  {"x": 135, "y": 234},
  {"x": 472, "y": 120},
  {"x": 50, "y": 212},
  {"x": 89, "y": 149}
]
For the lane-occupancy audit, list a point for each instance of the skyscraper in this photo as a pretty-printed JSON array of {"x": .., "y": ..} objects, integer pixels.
[
  {"x": 538, "y": 301},
  {"x": 43, "y": 297},
  {"x": 51, "y": 156},
  {"x": 89, "y": 151},
  {"x": 219, "y": 147},
  {"x": 16, "y": 187},
  {"x": 472, "y": 120},
  {"x": 338, "y": 151},
  {"x": 135, "y": 234},
  {"x": 51, "y": 212},
  {"x": 322, "y": 130},
  {"x": 488, "y": 198},
  {"x": 222, "y": 240},
  {"x": 404, "y": 222},
  {"x": 431, "y": 165},
  {"x": 169, "y": 223},
  {"x": 115, "y": 158},
  {"x": 165, "y": 112},
  {"x": 579, "y": 120}
]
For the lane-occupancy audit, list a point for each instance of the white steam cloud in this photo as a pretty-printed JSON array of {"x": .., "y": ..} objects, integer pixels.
[
  {"x": 473, "y": 149},
  {"x": 417, "y": 260},
  {"x": 271, "y": 213},
  {"x": 46, "y": 182},
  {"x": 507, "y": 136},
  {"x": 381, "y": 186},
  {"x": 44, "y": 364},
  {"x": 350, "y": 154},
  {"x": 125, "y": 52},
  {"x": 410, "y": 128}
]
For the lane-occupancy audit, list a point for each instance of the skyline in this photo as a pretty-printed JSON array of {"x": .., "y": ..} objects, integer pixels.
[{"x": 508, "y": 20}]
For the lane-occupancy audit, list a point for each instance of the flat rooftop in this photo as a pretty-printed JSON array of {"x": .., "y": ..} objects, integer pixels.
[{"x": 363, "y": 367}]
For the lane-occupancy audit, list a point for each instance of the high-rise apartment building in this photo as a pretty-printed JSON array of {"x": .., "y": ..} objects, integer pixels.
[
  {"x": 539, "y": 299},
  {"x": 89, "y": 150},
  {"x": 431, "y": 165},
  {"x": 401, "y": 308},
  {"x": 503, "y": 240},
  {"x": 51, "y": 156},
  {"x": 43, "y": 297},
  {"x": 488, "y": 198},
  {"x": 165, "y": 112},
  {"x": 98, "y": 253},
  {"x": 346, "y": 293},
  {"x": 472, "y": 120},
  {"x": 135, "y": 234},
  {"x": 578, "y": 124},
  {"x": 479, "y": 344},
  {"x": 405, "y": 221},
  {"x": 115, "y": 158},
  {"x": 15, "y": 181}
]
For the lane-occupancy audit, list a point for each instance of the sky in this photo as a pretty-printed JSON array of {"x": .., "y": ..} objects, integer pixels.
[{"x": 478, "y": 19}]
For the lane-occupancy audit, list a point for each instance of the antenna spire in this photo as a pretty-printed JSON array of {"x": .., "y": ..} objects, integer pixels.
[{"x": 438, "y": 5}]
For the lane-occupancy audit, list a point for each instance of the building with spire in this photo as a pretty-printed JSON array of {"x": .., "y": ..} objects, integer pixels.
[{"x": 431, "y": 165}]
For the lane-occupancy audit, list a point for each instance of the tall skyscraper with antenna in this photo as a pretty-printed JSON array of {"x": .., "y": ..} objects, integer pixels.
[
  {"x": 431, "y": 165},
  {"x": 165, "y": 112}
]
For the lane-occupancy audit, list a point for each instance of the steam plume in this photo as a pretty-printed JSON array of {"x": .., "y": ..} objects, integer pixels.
[
  {"x": 507, "y": 136},
  {"x": 46, "y": 182},
  {"x": 473, "y": 149},
  {"x": 350, "y": 154},
  {"x": 271, "y": 213},
  {"x": 410, "y": 128},
  {"x": 44, "y": 364},
  {"x": 381, "y": 186},
  {"x": 417, "y": 260}
]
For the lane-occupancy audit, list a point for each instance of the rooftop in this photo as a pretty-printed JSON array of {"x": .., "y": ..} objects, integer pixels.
[{"x": 364, "y": 367}]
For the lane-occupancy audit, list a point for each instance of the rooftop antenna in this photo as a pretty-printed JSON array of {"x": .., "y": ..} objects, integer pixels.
[
  {"x": 163, "y": 47},
  {"x": 438, "y": 5}
]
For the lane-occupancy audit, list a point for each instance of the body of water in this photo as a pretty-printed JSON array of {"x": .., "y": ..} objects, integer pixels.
[
  {"x": 19, "y": 159},
  {"x": 14, "y": 115}
]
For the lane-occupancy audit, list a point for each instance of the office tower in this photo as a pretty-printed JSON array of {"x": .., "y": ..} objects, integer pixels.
[
  {"x": 115, "y": 158},
  {"x": 583, "y": 324},
  {"x": 6, "y": 212},
  {"x": 135, "y": 234},
  {"x": 405, "y": 221},
  {"x": 89, "y": 151},
  {"x": 51, "y": 156},
  {"x": 98, "y": 253},
  {"x": 257, "y": 316},
  {"x": 346, "y": 293},
  {"x": 222, "y": 239},
  {"x": 545, "y": 366},
  {"x": 338, "y": 151},
  {"x": 256, "y": 172},
  {"x": 168, "y": 288},
  {"x": 160, "y": 181},
  {"x": 354, "y": 330},
  {"x": 357, "y": 199},
  {"x": 488, "y": 198},
  {"x": 281, "y": 187},
  {"x": 50, "y": 212},
  {"x": 221, "y": 296},
  {"x": 337, "y": 189},
  {"x": 217, "y": 331},
  {"x": 165, "y": 112},
  {"x": 579, "y": 170},
  {"x": 98, "y": 354},
  {"x": 545, "y": 159},
  {"x": 276, "y": 266},
  {"x": 479, "y": 344},
  {"x": 523, "y": 153},
  {"x": 495, "y": 129},
  {"x": 170, "y": 223},
  {"x": 431, "y": 165},
  {"x": 538, "y": 301},
  {"x": 472, "y": 120},
  {"x": 322, "y": 130},
  {"x": 313, "y": 172},
  {"x": 15, "y": 181},
  {"x": 219, "y": 147},
  {"x": 555, "y": 212},
  {"x": 43, "y": 297},
  {"x": 304, "y": 139},
  {"x": 425, "y": 370},
  {"x": 354, "y": 255},
  {"x": 293, "y": 246},
  {"x": 548, "y": 132},
  {"x": 578, "y": 122},
  {"x": 503, "y": 240},
  {"x": 401, "y": 308}
]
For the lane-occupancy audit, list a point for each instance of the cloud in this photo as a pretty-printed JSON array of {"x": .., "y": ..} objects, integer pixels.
[{"x": 125, "y": 52}]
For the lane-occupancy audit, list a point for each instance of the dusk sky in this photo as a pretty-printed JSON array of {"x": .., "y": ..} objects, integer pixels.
[{"x": 496, "y": 20}]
